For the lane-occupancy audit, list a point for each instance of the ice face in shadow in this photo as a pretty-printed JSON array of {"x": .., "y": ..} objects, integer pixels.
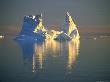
[
  {"x": 32, "y": 28},
  {"x": 37, "y": 55}
]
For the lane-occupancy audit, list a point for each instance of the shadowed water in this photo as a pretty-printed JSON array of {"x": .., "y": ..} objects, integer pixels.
[{"x": 85, "y": 60}]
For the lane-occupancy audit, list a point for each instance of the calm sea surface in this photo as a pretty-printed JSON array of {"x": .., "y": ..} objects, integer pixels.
[{"x": 86, "y": 60}]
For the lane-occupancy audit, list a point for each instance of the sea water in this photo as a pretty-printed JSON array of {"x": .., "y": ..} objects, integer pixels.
[{"x": 84, "y": 60}]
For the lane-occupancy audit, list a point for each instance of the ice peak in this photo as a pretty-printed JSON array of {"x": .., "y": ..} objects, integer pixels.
[
  {"x": 41, "y": 14},
  {"x": 67, "y": 13}
]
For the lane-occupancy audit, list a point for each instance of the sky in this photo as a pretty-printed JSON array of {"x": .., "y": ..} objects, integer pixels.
[{"x": 86, "y": 13}]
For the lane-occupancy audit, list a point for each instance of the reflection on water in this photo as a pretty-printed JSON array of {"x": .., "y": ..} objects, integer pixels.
[
  {"x": 37, "y": 53},
  {"x": 52, "y": 61},
  {"x": 73, "y": 50},
  {"x": 38, "y": 56}
]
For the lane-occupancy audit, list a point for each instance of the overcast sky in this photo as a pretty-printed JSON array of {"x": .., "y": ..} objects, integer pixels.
[{"x": 84, "y": 12}]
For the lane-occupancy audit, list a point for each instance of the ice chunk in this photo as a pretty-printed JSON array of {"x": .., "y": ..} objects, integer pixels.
[
  {"x": 69, "y": 29},
  {"x": 32, "y": 28}
]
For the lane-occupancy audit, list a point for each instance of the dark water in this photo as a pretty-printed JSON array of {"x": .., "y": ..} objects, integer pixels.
[{"x": 87, "y": 60}]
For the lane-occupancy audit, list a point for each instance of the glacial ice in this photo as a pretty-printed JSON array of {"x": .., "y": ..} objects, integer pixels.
[
  {"x": 33, "y": 29},
  {"x": 69, "y": 30}
]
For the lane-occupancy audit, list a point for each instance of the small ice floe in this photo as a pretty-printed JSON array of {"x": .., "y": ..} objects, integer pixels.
[
  {"x": 104, "y": 36},
  {"x": 94, "y": 38},
  {"x": 1, "y": 36}
]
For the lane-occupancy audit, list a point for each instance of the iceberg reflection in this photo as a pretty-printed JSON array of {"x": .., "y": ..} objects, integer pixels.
[
  {"x": 36, "y": 54},
  {"x": 73, "y": 50},
  {"x": 38, "y": 57}
]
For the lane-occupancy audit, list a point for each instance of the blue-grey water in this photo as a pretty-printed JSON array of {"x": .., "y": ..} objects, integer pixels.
[{"x": 86, "y": 60}]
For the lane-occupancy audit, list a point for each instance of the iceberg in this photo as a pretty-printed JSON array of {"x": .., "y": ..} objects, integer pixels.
[
  {"x": 32, "y": 29},
  {"x": 69, "y": 30}
]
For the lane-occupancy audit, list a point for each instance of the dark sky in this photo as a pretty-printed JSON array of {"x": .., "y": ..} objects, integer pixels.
[{"x": 85, "y": 12}]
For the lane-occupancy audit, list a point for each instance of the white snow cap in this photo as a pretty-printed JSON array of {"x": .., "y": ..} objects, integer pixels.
[
  {"x": 33, "y": 17},
  {"x": 41, "y": 14},
  {"x": 68, "y": 13}
]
